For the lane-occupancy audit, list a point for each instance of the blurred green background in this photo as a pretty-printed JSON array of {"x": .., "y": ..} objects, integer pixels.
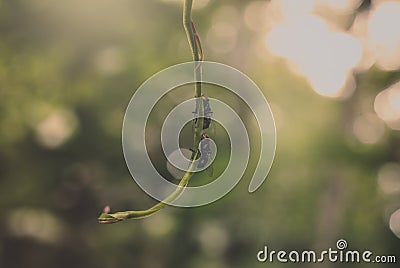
[{"x": 69, "y": 68}]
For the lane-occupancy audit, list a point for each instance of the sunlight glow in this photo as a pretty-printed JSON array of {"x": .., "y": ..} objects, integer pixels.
[
  {"x": 389, "y": 179},
  {"x": 222, "y": 37},
  {"x": 324, "y": 57},
  {"x": 368, "y": 128},
  {"x": 328, "y": 55},
  {"x": 394, "y": 223},
  {"x": 359, "y": 30},
  {"x": 38, "y": 224},
  {"x": 213, "y": 238},
  {"x": 108, "y": 61},
  {"x": 342, "y": 6},
  {"x": 387, "y": 106},
  {"x": 293, "y": 9},
  {"x": 159, "y": 226},
  {"x": 56, "y": 128},
  {"x": 255, "y": 15},
  {"x": 384, "y": 34}
]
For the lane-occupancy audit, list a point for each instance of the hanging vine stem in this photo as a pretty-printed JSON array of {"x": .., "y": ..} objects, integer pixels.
[{"x": 197, "y": 53}]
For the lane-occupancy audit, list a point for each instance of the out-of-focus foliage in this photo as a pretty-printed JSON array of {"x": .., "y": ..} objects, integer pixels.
[{"x": 67, "y": 72}]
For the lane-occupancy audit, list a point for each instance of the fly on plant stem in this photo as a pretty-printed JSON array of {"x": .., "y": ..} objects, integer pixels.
[
  {"x": 207, "y": 113},
  {"x": 205, "y": 150}
]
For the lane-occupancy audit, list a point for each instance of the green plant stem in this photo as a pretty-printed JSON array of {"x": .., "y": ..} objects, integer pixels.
[
  {"x": 106, "y": 218},
  {"x": 197, "y": 54}
]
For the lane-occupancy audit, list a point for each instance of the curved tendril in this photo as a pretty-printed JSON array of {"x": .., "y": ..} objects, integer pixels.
[{"x": 197, "y": 53}]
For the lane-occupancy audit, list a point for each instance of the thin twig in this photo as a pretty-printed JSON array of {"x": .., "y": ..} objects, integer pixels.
[{"x": 197, "y": 54}]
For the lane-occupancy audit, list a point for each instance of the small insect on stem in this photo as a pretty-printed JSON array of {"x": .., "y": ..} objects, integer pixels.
[
  {"x": 205, "y": 150},
  {"x": 205, "y": 147},
  {"x": 207, "y": 113}
]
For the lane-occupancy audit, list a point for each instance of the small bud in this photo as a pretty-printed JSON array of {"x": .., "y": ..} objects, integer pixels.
[{"x": 106, "y": 209}]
